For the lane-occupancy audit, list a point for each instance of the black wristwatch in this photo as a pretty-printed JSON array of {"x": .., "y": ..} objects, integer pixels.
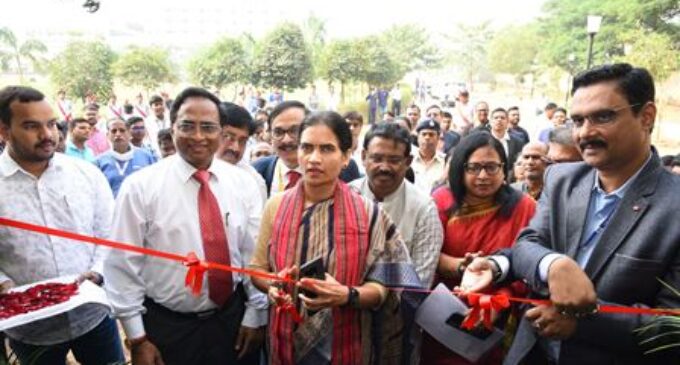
[
  {"x": 353, "y": 298},
  {"x": 497, "y": 272}
]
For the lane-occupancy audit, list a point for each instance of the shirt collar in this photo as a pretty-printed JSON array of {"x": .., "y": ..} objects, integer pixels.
[
  {"x": 9, "y": 167},
  {"x": 186, "y": 170},
  {"x": 284, "y": 169},
  {"x": 621, "y": 191}
]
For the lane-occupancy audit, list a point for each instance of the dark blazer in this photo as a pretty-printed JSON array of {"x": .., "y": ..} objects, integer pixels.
[
  {"x": 640, "y": 245},
  {"x": 266, "y": 166},
  {"x": 514, "y": 149}
]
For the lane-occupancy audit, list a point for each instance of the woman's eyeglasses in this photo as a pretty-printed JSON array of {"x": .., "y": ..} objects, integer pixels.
[{"x": 491, "y": 168}]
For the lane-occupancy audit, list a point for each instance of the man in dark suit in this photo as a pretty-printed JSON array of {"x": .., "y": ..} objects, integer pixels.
[
  {"x": 282, "y": 171},
  {"x": 499, "y": 129},
  {"x": 605, "y": 228}
]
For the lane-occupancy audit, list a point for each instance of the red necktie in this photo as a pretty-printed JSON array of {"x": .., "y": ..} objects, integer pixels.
[
  {"x": 214, "y": 236},
  {"x": 293, "y": 177}
]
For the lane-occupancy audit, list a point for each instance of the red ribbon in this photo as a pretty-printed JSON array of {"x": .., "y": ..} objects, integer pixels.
[
  {"x": 480, "y": 303},
  {"x": 484, "y": 305}
]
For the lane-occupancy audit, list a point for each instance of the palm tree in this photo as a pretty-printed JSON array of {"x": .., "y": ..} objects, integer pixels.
[{"x": 12, "y": 51}]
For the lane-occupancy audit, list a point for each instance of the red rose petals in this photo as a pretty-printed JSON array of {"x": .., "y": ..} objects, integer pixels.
[{"x": 34, "y": 298}]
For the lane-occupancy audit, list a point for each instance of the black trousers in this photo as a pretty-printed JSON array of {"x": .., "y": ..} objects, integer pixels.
[{"x": 200, "y": 338}]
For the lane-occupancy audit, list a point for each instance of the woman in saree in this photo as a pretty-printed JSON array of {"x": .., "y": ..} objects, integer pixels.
[
  {"x": 361, "y": 250},
  {"x": 480, "y": 214}
]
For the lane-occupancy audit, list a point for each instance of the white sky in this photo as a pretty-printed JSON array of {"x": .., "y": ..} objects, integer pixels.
[{"x": 344, "y": 18}]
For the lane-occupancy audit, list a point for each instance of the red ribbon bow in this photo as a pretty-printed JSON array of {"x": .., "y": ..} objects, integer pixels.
[
  {"x": 484, "y": 304},
  {"x": 288, "y": 307},
  {"x": 194, "y": 278}
]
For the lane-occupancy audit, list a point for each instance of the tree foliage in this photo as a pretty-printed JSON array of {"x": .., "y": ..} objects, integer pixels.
[
  {"x": 563, "y": 29},
  {"x": 314, "y": 30},
  {"x": 147, "y": 67},
  {"x": 378, "y": 67},
  {"x": 469, "y": 49},
  {"x": 283, "y": 60},
  {"x": 14, "y": 52},
  {"x": 84, "y": 66},
  {"x": 653, "y": 51},
  {"x": 224, "y": 62},
  {"x": 513, "y": 50},
  {"x": 410, "y": 47},
  {"x": 341, "y": 61}
]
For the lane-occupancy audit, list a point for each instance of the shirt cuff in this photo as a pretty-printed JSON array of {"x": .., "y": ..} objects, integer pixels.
[
  {"x": 255, "y": 318},
  {"x": 133, "y": 326},
  {"x": 503, "y": 264},
  {"x": 544, "y": 265}
]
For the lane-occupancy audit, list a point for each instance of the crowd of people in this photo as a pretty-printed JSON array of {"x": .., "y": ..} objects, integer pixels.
[{"x": 356, "y": 221}]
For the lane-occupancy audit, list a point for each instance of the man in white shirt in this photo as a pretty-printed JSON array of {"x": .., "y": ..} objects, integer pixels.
[
  {"x": 427, "y": 165},
  {"x": 237, "y": 127},
  {"x": 155, "y": 122},
  {"x": 40, "y": 187},
  {"x": 387, "y": 156},
  {"x": 203, "y": 205},
  {"x": 64, "y": 106}
]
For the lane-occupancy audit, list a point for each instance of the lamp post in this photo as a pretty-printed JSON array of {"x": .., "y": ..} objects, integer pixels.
[{"x": 593, "y": 26}]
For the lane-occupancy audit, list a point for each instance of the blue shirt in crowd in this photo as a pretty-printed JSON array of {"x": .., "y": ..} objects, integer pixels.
[{"x": 117, "y": 166}]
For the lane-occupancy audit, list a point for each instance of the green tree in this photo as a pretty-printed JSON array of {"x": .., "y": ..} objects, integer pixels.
[
  {"x": 147, "y": 67},
  {"x": 410, "y": 47},
  {"x": 342, "y": 61},
  {"x": 513, "y": 50},
  {"x": 563, "y": 28},
  {"x": 377, "y": 66},
  {"x": 469, "y": 49},
  {"x": 314, "y": 30},
  {"x": 224, "y": 62},
  {"x": 13, "y": 51},
  {"x": 84, "y": 66},
  {"x": 653, "y": 51},
  {"x": 283, "y": 59}
]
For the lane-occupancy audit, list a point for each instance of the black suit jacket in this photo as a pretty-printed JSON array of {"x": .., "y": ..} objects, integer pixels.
[
  {"x": 639, "y": 246},
  {"x": 266, "y": 166}
]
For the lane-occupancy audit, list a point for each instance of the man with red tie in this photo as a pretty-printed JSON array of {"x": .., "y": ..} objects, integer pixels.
[
  {"x": 188, "y": 203},
  {"x": 282, "y": 171}
]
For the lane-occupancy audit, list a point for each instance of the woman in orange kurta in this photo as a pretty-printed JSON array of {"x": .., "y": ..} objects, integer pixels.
[{"x": 480, "y": 214}]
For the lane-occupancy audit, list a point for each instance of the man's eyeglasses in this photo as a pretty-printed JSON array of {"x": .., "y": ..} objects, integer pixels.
[
  {"x": 600, "y": 117},
  {"x": 189, "y": 128},
  {"x": 138, "y": 128},
  {"x": 279, "y": 133},
  {"x": 491, "y": 168},
  {"x": 241, "y": 141}
]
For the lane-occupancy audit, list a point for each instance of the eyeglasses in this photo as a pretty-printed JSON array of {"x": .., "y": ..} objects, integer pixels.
[
  {"x": 391, "y": 160},
  {"x": 189, "y": 128},
  {"x": 138, "y": 128},
  {"x": 230, "y": 137},
  {"x": 491, "y": 168},
  {"x": 279, "y": 133},
  {"x": 600, "y": 117}
]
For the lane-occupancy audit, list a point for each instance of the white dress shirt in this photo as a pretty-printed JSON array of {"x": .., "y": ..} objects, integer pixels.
[
  {"x": 157, "y": 208},
  {"x": 280, "y": 179},
  {"x": 153, "y": 125},
  {"x": 70, "y": 195},
  {"x": 504, "y": 141},
  {"x": 261, "y": 185}
]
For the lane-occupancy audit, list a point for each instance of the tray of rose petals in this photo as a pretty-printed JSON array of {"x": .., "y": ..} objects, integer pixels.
[{"x": 44, "y": 299}]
